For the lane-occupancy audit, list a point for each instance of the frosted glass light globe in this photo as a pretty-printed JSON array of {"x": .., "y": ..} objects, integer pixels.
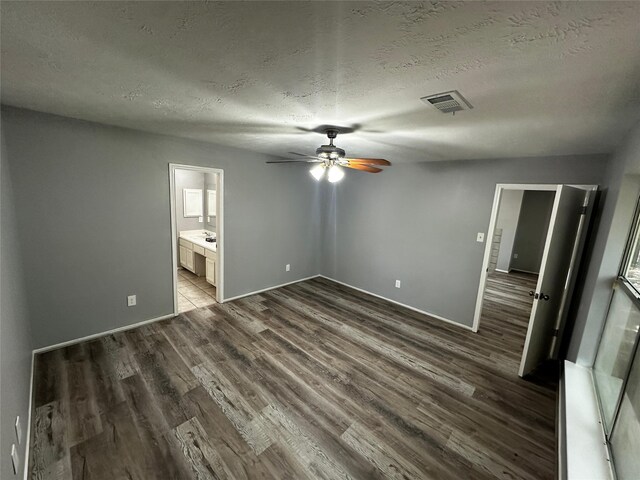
[
  {"x": 336, "y": 173},
  {"x": 318, "y": 171}
]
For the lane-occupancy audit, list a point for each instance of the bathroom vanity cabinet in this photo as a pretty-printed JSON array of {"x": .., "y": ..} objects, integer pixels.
[
  {"x": 210, "y": 263},
  {"x": 198, "y": 256}
]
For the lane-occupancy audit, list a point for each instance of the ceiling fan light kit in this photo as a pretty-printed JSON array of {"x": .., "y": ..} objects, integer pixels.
[
  {"x": 336, "y": 173},
  {"x": 332, "y": 159},
  {"x": 318, "y": 171}
]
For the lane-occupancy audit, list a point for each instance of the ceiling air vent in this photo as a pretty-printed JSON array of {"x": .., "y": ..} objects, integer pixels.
[{"x": 448, "y": 102}]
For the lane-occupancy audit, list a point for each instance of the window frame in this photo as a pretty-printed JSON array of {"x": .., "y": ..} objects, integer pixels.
[
  {"x": 632, "y": 293},
  {"x": 622, "y": 283},
  {"x": 632, "y": 241}
]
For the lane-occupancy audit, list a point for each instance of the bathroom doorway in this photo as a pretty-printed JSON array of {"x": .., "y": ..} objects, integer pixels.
[{"x": 197, "y": 230}]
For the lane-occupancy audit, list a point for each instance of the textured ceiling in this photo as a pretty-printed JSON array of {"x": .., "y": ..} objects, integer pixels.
[{"x": 544, "y": 78}]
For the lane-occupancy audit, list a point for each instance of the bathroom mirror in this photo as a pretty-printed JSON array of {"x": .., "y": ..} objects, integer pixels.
[
  {"x": 192, "y": 202},
  {"x": 211, "y": 203}
]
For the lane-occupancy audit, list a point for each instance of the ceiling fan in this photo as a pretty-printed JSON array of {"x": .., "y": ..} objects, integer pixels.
[{"x": 332, "y": 159}]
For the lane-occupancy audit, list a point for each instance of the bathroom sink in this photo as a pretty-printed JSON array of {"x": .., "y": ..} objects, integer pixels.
[{"x": 200, "y": 239}]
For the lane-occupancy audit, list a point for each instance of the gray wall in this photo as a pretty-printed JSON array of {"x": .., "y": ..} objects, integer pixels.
[
  {"x": 15, "y": 338},
  {"x": 366, "y": 231},
  {"x": 608, "y": 240},
  {"x": 531, "y": 233},
  {"x": 507, "y": 221},
  {"x": 188, "y": 179},
  {"x": 418, "y": 223},
  {"x": 94, "y": 221}
]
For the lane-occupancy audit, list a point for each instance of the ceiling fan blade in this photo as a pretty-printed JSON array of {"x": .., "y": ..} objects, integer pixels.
[
  {"x": 302, "y": 155},
  {"x": 369, "y": 161},
  {"x": 294, "y": 161},
  {"x": 364, "y": 168}
]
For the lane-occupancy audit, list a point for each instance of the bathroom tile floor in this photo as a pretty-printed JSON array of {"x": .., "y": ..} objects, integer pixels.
[{"x": 194, "y": 291}]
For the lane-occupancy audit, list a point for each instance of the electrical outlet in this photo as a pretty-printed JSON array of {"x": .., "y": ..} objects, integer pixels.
[
  {"x": 18, "y": 430},
  {"x": 480, "y": 237},
  {"x": 14, "y": 459},
  {"x": 131, "y": 301},
  {"x": 515, "y": 255},
  {"x": 200, "y": 220},
  {"x": 397, "y": 283},
  {"x": 287, "y": 267}
]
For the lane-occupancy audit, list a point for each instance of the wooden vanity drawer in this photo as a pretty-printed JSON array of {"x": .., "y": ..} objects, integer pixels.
[
  {"x": 198, "y": 249},
  {"x": 186, "y": 244},
  {"x": 210, "y": 254}
]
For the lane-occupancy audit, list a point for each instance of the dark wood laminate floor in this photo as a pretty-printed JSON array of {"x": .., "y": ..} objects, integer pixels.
[
  {"x": 506, "y": 310},
  {"x": 313, "y": 380}
]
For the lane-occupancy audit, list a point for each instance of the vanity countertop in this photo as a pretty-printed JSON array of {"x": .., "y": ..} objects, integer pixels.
[{"x": 198, "y": 237}]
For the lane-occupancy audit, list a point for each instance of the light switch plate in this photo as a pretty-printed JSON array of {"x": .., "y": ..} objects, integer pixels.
[
  {"x": 397, "y": 283},
  {"x": 480, "y": 237},
  {"x": 14, "y": 459},
  {"x": 200, "y": 220},
  {"x": 287, "y": 267},
  {"x": 18, "y": 431},
  {"x": 131, "y": 301}
]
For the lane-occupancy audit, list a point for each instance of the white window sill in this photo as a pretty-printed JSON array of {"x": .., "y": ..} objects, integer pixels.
[{"x": 583, "y": 452}]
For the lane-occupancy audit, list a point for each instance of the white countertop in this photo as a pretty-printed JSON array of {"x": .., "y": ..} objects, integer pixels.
[{"x": 198, "y": 237}]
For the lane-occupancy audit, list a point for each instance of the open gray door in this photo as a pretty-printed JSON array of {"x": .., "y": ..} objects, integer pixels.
[{"x": 559, "y": 264}]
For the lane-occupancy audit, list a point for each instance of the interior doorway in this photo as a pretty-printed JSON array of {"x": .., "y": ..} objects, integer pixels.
[
  {"x": 197, "y": 232},
  {"x": 535, "y": 240}
]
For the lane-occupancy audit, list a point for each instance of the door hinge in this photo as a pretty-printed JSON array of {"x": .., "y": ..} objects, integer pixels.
[
  {"x": 556, "y": 332},
  {"x": 583, "y": 210}
]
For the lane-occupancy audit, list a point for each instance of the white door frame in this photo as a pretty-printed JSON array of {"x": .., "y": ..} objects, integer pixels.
[
  {"x": 500, "y": 187},
  {"x": 219, "y": 229}
]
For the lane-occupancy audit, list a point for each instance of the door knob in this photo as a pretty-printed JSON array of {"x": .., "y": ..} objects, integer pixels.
[
  {"x": 531, "y": 293},
  {"x": 544, "y": 297}
]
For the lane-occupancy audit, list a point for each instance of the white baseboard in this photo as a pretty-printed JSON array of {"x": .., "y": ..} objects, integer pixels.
[
  {"x": 152, "y": 320},
  {"x": 171, "y": 315},
  {"x": 101, "y": 334},
  {"x": 27, "y": 445},
  {"x": 270, "y": 288},
  {"x": 424, "y": 312}
]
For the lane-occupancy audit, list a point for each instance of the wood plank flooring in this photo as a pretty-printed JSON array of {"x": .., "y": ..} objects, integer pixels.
[
  {"x": 507, "y": 308},
  {"x": 313, "y": 380}
]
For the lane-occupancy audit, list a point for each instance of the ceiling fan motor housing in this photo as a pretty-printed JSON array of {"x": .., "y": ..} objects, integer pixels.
[{"x": 330, "y": 152}]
